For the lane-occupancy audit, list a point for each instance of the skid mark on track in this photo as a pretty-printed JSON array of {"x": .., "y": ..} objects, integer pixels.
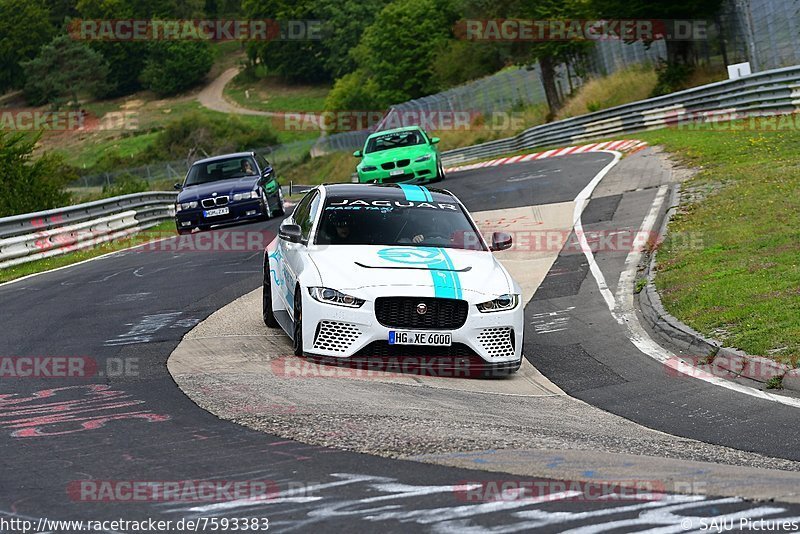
[
  {"x": 70, "y": 409},
  {"x": 144, "y": 331},
  {"x": 479, "y": 506},
  {"x": 555, "y": 321}
]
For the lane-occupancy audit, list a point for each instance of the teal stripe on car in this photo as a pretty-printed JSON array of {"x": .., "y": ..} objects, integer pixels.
[
  {"x": 446, "y": 283},
  {"x": 414, "y": 193},
  {"x": 428, "y": 196}
]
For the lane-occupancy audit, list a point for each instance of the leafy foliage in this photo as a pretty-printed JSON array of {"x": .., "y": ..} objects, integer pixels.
[
  {"x": 63, "y": 70},
  {"x": 173, "y": 66},
  {"x": 30, "y": 184},
  {"x": 341, "y": 24},
  {"x": 24, "y": 27}
]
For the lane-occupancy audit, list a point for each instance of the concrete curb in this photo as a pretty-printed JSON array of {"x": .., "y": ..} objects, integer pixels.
[{"x": 705, "y": 353}]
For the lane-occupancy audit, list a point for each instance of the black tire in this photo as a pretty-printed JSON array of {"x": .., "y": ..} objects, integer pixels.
[
  {"x": 297, "y": 342},
  {"x": 184, "y": 231},
  {"x": 439, "y": 171},
  {"x": 266, "y": 299},
  {"x": 267, "y": 215},
  {"x": 280, "y": 212}
]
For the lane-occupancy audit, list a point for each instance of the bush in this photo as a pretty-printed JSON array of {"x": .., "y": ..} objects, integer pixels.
[
  {"x": 671, "y": 77},
  {"x": 195, "y": 135},
  {"x": 355, "y": 91},
  {"x": 27, "y": 184},
  {"x": 174, "y": 66},
  {"x": 63, "y": 71},
  {"x": 197, "y": 132},
  {"x": 125, "y": 184}
]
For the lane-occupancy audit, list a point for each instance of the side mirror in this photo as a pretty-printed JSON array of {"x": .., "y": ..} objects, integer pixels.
[
  {"x": 434, "y": 140},
  {"x": 291, "y": 233},
  {"x": 500, "y": 241},
  {"x": 357, "y": 153},
  {"x": 177, "y": 187}
]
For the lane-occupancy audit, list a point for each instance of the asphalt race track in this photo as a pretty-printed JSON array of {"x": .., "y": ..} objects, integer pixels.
[{"x": 128, "y": 421}]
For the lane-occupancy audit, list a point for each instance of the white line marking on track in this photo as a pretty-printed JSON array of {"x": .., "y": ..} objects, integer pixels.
[
  {"x": 580, "y": 203},
  {"x": 621, "y": 306}
]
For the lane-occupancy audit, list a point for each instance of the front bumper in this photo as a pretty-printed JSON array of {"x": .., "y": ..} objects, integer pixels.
[
  {"x": 414, "y": 173},
  {"x": 486, "y": 340},
  {"x": 242, "y": 211}
]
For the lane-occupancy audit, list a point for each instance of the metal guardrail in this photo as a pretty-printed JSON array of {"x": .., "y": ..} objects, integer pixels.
[
  {"x": 43, "y": 234},
  {"x": 36, "y": 235},
  {"x": 769, "y": 92}
]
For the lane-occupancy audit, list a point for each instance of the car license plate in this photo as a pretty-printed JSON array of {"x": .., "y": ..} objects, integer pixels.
[
  {"x": 433, "y": 339},
  {"x": 215, "y": 212},
  {"x": 396, "y": 172}
]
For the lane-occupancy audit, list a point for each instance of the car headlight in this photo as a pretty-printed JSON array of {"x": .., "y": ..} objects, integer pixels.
[
  {"x": 244, "y": 196},
  {"x": 426, "y": 157},
  {"x": 501, "y": 303},
  {"x": 337, "y": 298},
  {"x": 369, "y": 168},
  {"x": 186, "y": 205}
]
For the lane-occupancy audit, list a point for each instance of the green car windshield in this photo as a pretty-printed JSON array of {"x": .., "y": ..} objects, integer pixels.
[{"x": 394, "y": 140}]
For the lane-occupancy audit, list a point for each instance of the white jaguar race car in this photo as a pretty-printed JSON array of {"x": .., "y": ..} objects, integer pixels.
[{"x": 393, "y": 273}]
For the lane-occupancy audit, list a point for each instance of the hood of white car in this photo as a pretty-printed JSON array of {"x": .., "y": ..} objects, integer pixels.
[{"x": 442, "y": 272}]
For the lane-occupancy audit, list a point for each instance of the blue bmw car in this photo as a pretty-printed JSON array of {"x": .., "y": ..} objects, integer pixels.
[{"x": 228, "y": 189}]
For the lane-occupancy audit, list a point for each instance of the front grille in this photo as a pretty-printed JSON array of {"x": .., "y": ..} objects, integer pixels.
[
  {"x": 401, "y": 312},
  {"x": 387, "y": 166},
  {"x": 498, "y": 341},
  {"x": 382, "y": 349},
  {"x": 216, "y": 201},
  {"x": 403, "y": 162},
  {"x": 398, "y": 179},
  {"x": 336, "y": 336}
]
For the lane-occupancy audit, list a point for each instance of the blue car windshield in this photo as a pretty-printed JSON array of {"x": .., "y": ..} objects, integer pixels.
[
  {"x": 392, "y": 222},
  {"x": 221, "y": 169}
]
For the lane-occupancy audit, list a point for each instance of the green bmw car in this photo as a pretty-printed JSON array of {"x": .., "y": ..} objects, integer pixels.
[{"x": 400, "y": 156}]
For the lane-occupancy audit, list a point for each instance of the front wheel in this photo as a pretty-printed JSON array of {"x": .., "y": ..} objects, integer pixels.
[
  {"x": 439, "y": 172},
  {"x": 266, "y": 299}
]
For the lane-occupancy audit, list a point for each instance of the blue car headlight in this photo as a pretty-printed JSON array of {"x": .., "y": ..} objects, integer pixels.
[
  {"x": 337, "y": 298},
  {"x": 244, "y": 196},
  {"x": 420, "y": 159},
  {"x": 501, "y": 303},
  {"x": 369, "y": 168},
  {"x": 185, "y": 205}
]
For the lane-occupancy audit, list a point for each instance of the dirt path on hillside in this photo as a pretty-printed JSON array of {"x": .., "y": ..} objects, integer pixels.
[{"x": 212, "y": 97}]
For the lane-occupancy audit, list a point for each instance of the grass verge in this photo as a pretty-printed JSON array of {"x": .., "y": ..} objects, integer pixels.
[
  {"x": 730, "y": 265},
  {"x": 269, "y": 93},
  {"x": 164, "y": 229}
]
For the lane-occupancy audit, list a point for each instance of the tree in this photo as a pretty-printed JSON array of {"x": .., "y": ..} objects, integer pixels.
[
  {"x": 173, "y": 66},
  {"x": 398, "y": 50},
  {"x": 127, "y": 59},
  {"x": 679, "y": 52},
  {"x": 341, "y": 23},
  {"x": 24, "y": 28},
  {"x": 549, "y": 54},
  {"x": 30, "y": 184},
  {"x": 63, "y": 70}
]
